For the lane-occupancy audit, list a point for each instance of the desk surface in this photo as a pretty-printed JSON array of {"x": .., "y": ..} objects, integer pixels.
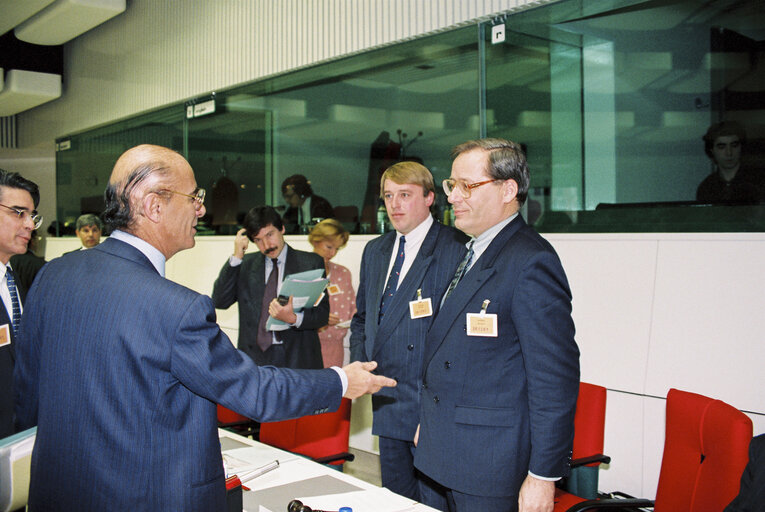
[{"x": 316, "y": 485}]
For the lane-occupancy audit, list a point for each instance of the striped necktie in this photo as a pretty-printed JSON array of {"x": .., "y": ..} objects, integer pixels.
[
  {"x": 15, "y": 303},
  {"x": 392, "y": 285},
  {"x": 461, "y": 269}
]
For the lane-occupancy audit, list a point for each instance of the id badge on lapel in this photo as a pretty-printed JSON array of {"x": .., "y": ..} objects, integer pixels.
[
  {"x": 420, "y": 308},
  {"x": 482, "y": 324},
  {"x": 5, "y": 335}
]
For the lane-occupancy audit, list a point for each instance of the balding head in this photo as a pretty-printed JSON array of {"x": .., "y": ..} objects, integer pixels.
[
  {"x": 145, "y": 197},
  {"x": 137, "y": 170}
]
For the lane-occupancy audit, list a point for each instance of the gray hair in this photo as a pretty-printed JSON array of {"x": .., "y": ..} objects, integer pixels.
[{"x": 89, "y": 219}]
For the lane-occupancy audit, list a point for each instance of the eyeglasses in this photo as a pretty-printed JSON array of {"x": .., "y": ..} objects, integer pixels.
[
  {"x": 37, "y": 219},
  {"x": 464, "y": 187},
  {"x": 198, "y": 196}
]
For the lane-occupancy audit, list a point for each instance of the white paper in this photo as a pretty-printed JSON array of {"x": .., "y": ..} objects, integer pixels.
[{"x": 370, "y": 500}]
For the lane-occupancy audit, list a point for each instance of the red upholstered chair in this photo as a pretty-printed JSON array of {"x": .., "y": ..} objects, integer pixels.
[
  {"x": 321, "y": 437},
  {"x": 589, "y": 432},
  {"x": 705, "y": 451},
  {"x": 237, "y": 423}
]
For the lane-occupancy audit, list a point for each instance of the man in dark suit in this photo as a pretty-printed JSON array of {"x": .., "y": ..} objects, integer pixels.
[
  {"x": 121, "y": 372},
  {"x": 245, "y": 278},
  {"x": 302, "y": 204},
  {"x": 751, "y": 495},
  {"x": 18, "y": 199},
  {"x": 385, "y": 327},
  {"x": 501, "y": 364}
]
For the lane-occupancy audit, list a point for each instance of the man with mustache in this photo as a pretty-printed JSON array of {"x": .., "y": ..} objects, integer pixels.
[{"x": 251, "y": 281}]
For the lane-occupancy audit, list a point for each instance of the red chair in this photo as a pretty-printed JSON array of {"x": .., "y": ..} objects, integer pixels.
[
  {"x": 705, "y": 452},
  {"x": 321, "y": 437},
  {"x": 237, "y": 423},
  {"x": 589, "y": 433}
]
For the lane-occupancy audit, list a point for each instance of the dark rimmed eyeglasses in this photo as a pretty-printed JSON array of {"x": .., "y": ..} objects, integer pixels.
[{"x": 37, "y": 219}]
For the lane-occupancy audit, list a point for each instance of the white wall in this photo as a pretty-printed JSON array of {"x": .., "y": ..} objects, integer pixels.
[{"x": 652, "y": 311}]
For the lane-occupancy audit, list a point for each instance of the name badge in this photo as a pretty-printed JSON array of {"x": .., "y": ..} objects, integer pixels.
[
  {"x": 333, "y": 289},
  {"x": 420, "y": 308},
  {"x": 5, "y": 335},
  {"x": 482, "y": 324}
]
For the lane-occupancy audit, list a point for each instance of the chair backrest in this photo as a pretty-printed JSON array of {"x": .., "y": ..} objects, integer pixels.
[
  {"x": 705, "y": 452},
  {"x": 589, "y": 421},
  {"x": 318, "y": 435},
  {"x": 15, "y": 465},
  {"x": 227, "y": 416}
]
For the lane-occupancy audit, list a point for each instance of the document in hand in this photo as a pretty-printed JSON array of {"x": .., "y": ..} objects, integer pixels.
[{"x": 305, "y": 288}]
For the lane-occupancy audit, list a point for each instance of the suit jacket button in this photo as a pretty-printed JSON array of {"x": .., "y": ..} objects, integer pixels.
[
  {"x": 447, "y": 364},
  {"x": 410, "y": 346},
  {"x": 435, "y": 399}
]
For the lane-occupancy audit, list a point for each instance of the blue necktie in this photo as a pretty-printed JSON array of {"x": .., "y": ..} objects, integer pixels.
[
  {"x": 15, "y": 304},
  {"x": 461, "y": 269},
  {"x": 390, "y": 288}
]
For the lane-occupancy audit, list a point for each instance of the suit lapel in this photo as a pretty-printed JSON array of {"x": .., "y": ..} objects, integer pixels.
[
  {"x": 382, "y": 260},
  {"x": 399, "y": 307},
  {"x": 256, "y": 281},
  {"x": 451, "y": 315}
]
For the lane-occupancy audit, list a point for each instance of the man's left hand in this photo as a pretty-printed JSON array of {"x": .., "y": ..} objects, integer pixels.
[
  {"x": 536, "y": 495},
  {"x": 283, "y": 313}
]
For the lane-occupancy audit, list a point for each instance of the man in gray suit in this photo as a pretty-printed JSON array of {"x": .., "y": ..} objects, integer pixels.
[
  {"x": 121, "y": 372},
  {"x": 394, "y": 314},
  {"x": 253, "y": 280}
]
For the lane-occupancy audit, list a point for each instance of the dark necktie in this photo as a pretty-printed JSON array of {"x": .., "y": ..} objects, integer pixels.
[
  {"x": 265, "y": 338},
  {"x": 461, "y": 269},
  {"x": 390, "y": 288},
  {"x": 15, "y": 304}
]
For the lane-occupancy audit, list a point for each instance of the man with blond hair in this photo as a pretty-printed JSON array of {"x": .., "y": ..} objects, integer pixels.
[{"x": 403, "y": 276}]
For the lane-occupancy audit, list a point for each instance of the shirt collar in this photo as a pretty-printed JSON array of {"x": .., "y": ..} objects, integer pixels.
[
  {"x": 482, "y": 241},
  {"x": 417, "y": 235},
  {"x": 155, "y": 256}
]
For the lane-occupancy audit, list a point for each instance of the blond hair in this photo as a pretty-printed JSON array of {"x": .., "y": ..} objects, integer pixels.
[
  {"x": 329, "y": 228},
  {"x": 408, "y": 172}
]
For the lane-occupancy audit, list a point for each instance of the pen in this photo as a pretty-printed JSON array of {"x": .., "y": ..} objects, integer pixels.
[{"x": 254, "y": 473}]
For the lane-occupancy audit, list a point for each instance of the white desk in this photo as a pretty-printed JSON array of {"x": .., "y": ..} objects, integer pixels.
[{"x": 314, "y": 484}]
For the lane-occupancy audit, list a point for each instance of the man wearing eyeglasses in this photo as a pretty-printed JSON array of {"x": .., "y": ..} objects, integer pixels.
[
  {"x": 501, "y": 365},
  {"x": 403, "y": 276},
  {"x": 121, "y": 372},
  {"x": 18, "y": 199}
]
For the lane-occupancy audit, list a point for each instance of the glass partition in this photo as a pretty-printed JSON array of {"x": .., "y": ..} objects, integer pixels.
[{"x": 609, "y": 98}]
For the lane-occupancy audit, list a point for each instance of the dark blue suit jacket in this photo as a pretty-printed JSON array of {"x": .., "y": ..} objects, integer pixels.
[
  {"x": 397, "y": 343},
  {"x": 751, "y": 496},
  {"x": 121, "y": 370},
  {"x": 7, "y": 358},
  {"x": 246, "y": 283},
  {"x": 494, "y": 408}
]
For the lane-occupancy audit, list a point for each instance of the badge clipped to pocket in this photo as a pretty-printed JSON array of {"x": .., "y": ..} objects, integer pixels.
[
  {"x": 482, "y": 324},
  {"x": 420, "y": 308},
  {"x": 5, "y": 335}
]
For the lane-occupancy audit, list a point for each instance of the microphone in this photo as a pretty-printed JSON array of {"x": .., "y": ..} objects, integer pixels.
[{"x": 297, "y": 506}]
